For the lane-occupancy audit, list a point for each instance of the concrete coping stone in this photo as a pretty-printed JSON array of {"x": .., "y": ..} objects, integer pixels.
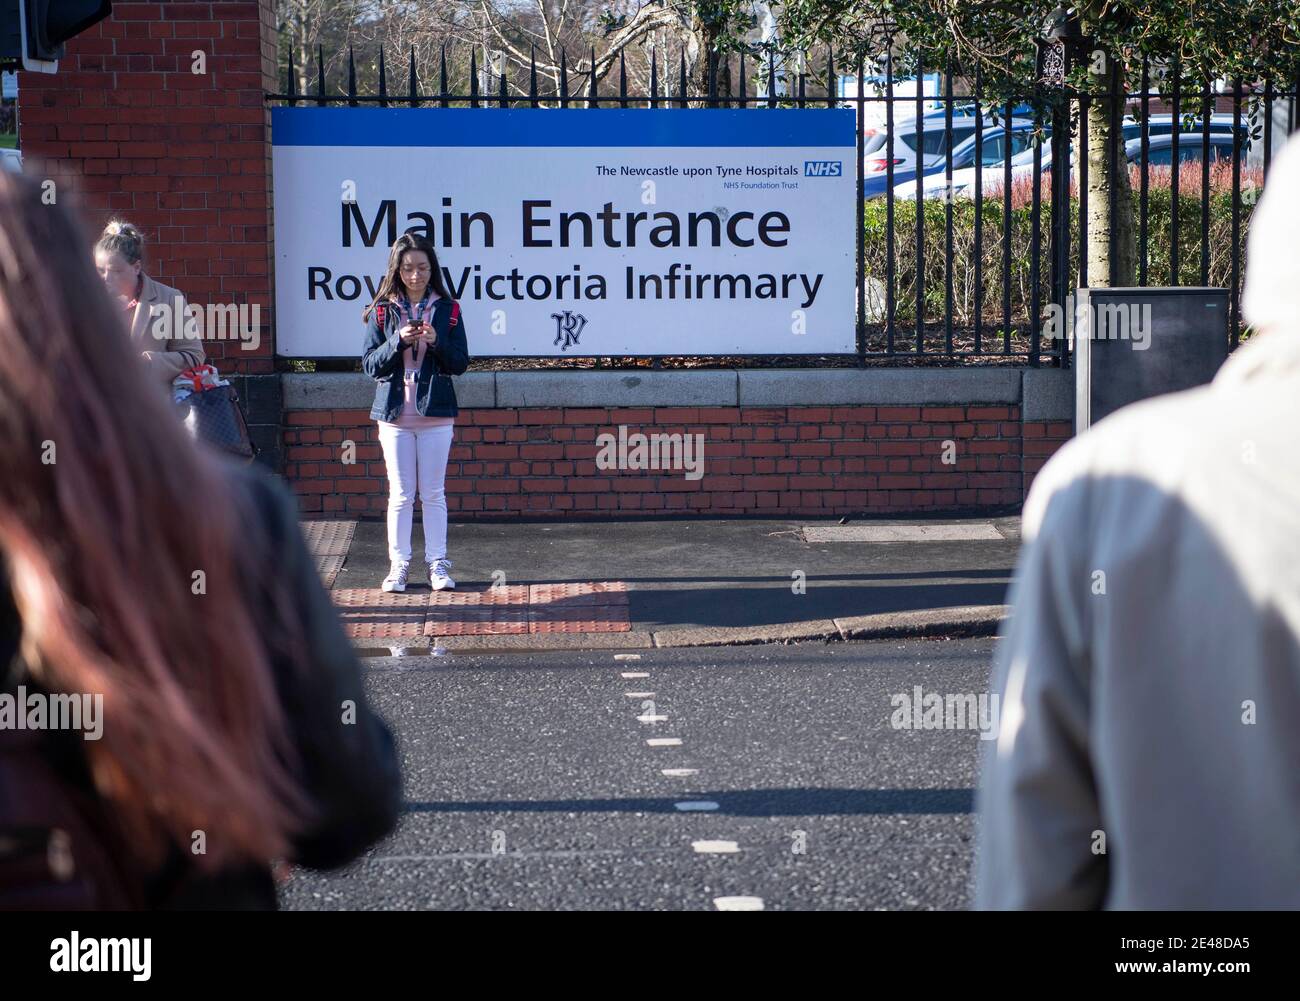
[{"x": 1043, "y": 394}]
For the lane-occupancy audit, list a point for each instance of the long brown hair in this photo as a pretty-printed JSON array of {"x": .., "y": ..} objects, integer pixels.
[
  {"x": 107, "y": 512},
  {"x": 392, "y": 284}
]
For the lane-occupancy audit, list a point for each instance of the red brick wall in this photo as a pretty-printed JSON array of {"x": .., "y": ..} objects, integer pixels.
[
  {"x": 774, "y": 461},
  {"x": 126, "y": 127},
  {"x": 1042, "y": 439}
]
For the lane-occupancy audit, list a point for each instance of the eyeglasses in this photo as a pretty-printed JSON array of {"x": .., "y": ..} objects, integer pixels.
[{"x": 422, "y": 269}]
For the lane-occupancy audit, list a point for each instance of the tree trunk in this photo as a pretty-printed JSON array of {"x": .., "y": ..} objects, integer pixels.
[
  {"x": 302, "y": 53},
  {"x": 705, "y": 32},
  {"x": 1111, "y": 256}
]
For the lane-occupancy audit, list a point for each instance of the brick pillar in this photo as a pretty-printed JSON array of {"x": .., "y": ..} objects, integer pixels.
[{"x": 127, "y": 127}]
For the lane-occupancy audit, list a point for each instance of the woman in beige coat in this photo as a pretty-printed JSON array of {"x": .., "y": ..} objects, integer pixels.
[{"x": 162, "y": 329}]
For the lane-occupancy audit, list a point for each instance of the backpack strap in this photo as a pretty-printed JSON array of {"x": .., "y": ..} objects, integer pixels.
[
  {"x": 379, "y": 314},
  {"x": 455, "y": 312}
]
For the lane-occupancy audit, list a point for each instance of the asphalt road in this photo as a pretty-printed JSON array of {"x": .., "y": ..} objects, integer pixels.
[{"x": 530, "y": 783}]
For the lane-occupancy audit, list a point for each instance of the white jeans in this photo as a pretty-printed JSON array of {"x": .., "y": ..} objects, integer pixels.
[{"x": 417, "y": 463}]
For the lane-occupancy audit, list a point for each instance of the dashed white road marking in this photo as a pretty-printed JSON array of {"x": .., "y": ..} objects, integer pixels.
[
  {"x": 627, "y": 656},
  {"x": 651, "y": 718},
  {"x": 715, "y": 847},
  {"x": 639, "y": 695},
  {"x": 738, "y": 903},
  {"x": 696, "y": 805},
  {"x": 665, "y": 741},
  {"x": 679, "y": 773},
  {"x": 634, "y": 674},
  {"x": 499, "y": 856}
]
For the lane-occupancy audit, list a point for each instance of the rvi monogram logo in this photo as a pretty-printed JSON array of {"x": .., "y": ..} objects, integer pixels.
[{"x": 568, "y": 325}]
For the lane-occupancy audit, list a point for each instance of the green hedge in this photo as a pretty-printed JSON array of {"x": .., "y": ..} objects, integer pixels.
[{"x": 1158, "y": 246}]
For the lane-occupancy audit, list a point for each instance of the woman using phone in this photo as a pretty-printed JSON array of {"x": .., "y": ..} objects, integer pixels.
[{"x": 415, "y": 342}]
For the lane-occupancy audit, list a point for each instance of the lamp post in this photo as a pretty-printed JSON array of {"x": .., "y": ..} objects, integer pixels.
[{"x": 1063, "y": 37}]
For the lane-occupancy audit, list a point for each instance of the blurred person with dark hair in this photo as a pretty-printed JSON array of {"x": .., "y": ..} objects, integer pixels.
[
  {"x": 138, "y": 567},
  {"x": 162, "y": 328},
  {"x": 1148, "y": 753}
]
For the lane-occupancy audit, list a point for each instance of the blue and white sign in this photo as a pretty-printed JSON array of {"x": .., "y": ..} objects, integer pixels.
[{"x": 574, "y": 232}]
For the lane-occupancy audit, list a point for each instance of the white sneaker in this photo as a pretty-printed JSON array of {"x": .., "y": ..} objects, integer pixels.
[
  {"x": 439, "y": 579},
  {"x": 396, "y": 579}
]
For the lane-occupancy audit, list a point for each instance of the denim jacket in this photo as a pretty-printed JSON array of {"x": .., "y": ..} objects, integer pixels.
[{"x": 381, "y": 359}]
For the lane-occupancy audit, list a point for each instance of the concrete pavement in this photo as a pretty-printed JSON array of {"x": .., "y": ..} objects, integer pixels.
[{"x": 639, "y": 584}]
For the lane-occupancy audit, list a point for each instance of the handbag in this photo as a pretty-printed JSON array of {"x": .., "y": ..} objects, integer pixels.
[{"x": 211, "y": 413}]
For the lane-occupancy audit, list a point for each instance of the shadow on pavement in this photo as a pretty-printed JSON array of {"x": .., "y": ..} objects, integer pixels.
[{"x": 778, "y": 605}]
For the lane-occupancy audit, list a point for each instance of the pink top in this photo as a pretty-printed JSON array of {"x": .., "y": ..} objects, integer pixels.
[{"x": 412, "y": 359}]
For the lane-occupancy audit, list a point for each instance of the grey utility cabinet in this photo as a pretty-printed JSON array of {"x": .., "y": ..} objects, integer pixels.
[{"x": 1135, "y": 343}]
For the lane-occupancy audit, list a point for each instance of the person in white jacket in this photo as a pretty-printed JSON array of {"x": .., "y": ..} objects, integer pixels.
[{"x": 1148, "y": 750}]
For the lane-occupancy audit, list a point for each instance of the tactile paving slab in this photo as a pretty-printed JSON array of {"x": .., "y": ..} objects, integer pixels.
[
  {"x": 477, "y": 620},
  {"x": 578, "y": 593},
  {"x": 328, "y": 538},
  {"x": 478, "y": 610},
  {"x": 372, "y": 614},
  {"x": 328, "y": 542},
  {"x": 328, "y": 567},
  {"x": 478, "y": 596},
  {"x": 476, "y": 624},
  {"x": 598, "y": 606},
  {"x": 588, "y": 619},
  {"x": 486, "y": 610}
]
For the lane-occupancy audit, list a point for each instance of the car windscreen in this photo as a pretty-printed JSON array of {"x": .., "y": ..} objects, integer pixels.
[{"x": 874, "y": 143}]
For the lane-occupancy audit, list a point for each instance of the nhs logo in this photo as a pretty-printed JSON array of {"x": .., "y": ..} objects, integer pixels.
[{"x": 822, "y": 168}]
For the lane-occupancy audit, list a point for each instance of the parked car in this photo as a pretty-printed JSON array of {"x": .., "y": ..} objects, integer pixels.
[
  {"x": 1160, "y": 152},
  {"x": 875, "y": 148},
  {"x": 993, "y": 150},
  {"x": 875, "y": 142},
  {"x": 1022, "y": 164},
  {"x": 963, "y": 155},
  {"x": 1163, "y": 125},
  {"x": 993, "y": 171}
]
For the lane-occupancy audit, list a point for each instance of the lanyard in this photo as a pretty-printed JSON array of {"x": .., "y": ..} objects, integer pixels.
[{"x": 413, "y": 313}]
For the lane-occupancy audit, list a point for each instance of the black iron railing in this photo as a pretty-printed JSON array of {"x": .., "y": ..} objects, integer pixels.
[{"x": 972, "y": 280}]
